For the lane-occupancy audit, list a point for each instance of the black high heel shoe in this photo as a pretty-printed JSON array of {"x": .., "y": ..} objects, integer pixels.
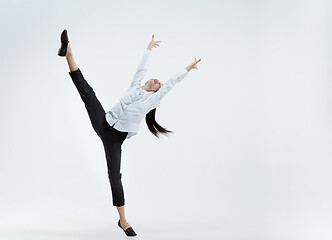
[
  {"x": 129, "y": 231},
  {"x": 64, "y": 43}
]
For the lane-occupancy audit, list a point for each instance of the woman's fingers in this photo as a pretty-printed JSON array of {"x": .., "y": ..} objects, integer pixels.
[
  {"x": 195, "y": 62},
  {"x": 153, "y": 41}
]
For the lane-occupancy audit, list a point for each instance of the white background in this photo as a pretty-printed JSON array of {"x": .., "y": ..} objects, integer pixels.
[{"x": 251, "y": 154}]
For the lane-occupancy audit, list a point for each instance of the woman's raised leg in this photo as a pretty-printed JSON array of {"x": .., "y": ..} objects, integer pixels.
[
  {"x": 70, "y": 59},
  {"x": 95, "y": 110}
]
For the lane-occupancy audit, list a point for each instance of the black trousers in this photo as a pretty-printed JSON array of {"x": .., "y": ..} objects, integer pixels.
[{"x": 112, "y": 139}]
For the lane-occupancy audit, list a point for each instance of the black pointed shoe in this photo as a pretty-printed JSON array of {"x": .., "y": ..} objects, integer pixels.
[
  {"x": 64, "y": 43},
  {"x": 129, "y": 231}
]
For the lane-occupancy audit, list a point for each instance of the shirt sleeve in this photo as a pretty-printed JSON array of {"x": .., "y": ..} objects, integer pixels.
[
  {"x": 141, "y": 70},
  {"x": 168, "y": 85}
]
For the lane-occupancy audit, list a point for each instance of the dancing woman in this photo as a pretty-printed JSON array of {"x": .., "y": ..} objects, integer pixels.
[{"x": 123, "y": 119}]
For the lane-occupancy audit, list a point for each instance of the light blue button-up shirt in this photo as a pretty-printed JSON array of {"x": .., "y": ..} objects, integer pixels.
[{"x": 128, "y": 112}]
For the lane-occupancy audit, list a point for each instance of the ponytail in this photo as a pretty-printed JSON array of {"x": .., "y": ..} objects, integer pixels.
[{"x": 153, "y": 126}]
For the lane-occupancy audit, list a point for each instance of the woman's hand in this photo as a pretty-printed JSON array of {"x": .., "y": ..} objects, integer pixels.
[
  {"x": 152, "y": 43},
  {"x": 193, "y": 65}
]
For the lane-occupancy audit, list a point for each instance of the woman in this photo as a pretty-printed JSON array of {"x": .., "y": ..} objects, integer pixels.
[{"x": 123, "y": 119}]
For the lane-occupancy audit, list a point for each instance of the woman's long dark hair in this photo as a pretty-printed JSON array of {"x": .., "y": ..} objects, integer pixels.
[{"x": 153, "y": 126}]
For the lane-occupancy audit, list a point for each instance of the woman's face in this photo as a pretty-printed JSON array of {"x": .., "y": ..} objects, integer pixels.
[{"x": 153, "y": 84}]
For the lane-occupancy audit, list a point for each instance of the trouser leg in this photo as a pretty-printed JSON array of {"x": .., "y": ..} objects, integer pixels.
[
  {"x": 94, "y": 108},
  {"x": 113, "y": 156}
]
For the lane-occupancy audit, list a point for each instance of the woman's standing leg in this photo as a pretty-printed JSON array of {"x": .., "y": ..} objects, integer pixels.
[
  {"x": 112, "y": 145},
  {"x": 123, "y": 222},
  {"x": 94, "y": 108}
]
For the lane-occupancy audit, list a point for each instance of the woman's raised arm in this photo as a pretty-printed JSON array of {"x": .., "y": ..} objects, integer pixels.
[
  {"x": 143, "y": 65},
  {"x": 170, "y": 83}
]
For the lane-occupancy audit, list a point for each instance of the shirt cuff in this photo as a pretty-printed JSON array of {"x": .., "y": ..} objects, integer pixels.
[{"x": 184, "y": 71}]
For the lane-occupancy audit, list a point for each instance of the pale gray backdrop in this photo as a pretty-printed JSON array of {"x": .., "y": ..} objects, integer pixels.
[{"x": 251, "y": 154}]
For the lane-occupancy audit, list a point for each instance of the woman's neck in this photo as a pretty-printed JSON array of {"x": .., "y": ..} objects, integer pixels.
[{"x": 145, "y": 88}]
